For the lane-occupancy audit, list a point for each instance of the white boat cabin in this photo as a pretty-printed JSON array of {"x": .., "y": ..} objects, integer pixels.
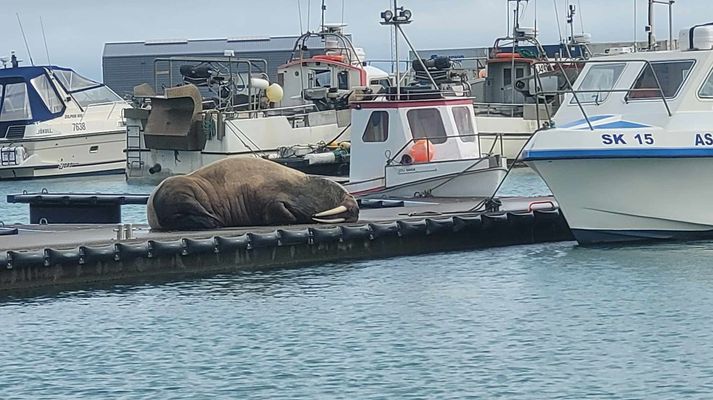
[
  {"x": 429, "y": 146},
  {"x": 37, "y": 101}
]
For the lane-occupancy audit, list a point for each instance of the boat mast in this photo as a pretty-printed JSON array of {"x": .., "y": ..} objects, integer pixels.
[{"x": 650, "y": 27}]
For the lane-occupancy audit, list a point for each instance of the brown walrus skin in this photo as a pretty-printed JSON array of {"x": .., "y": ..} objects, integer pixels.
[{"x": 241, "y": 191}]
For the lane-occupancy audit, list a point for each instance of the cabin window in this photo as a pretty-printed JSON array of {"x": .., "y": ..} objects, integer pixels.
[
  {"x": 507, "y": 76},
  {"x": 44, "y": 88},
  {"x": 377, "y": 129},
  {"x": 15, "y": 103},
  {"x": 426, "y": 123},
  {"x": 343, "y": 80},
  {"x": 99, "y": 95},
  {"x": 670, "y": 74},
  {"x": 323, "y": 78},
  {"x": 464, "y": 123},
  {"x": 707, "y": 89},
  {"x": 599, "y": 77}
]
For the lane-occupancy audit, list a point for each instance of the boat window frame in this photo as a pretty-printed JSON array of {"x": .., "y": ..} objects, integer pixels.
[
  {"x": 693, "y": 62},
  {"x": 579, "y": 89},
  {"x": 468, "y": 137},
  {"x": 439, "y": 139},
  {"x": 54, "y": 89},
  {"x": 709, "y": 77},
  {"x": 26, "y": 98},
  {"x": 370, "y": 127}
]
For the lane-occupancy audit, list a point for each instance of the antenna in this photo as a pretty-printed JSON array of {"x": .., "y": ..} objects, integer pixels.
[
  {"x": 309, "y": 11},
  {"x": 324, "y": 10},
  {"x": 299, "y": 12},
  {"x": 44, "y": 37},
  {"x": 24, "y": 38}
]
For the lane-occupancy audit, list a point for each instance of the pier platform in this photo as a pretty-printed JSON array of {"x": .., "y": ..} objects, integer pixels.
[{"x": 51, "y": 257}]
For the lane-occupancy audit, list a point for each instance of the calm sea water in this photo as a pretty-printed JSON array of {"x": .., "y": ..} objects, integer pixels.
[{"x": 553, "y": 321}]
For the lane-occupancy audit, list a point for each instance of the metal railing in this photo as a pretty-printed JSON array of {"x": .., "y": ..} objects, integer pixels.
[
  {"x": 499, "y": 109},
  {"x": 392, "y": 160}
]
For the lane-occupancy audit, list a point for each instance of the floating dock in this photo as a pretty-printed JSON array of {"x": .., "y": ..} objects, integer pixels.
[{"x": 62, "y": 256}]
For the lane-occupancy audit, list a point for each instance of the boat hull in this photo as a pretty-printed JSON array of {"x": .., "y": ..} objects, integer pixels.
[
  {"x": 628, "y": 199},
  {"x": 455, "y": 178},
  {"x": 68, "y": 155}
]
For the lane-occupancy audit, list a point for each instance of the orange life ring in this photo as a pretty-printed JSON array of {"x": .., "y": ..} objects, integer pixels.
[
  {"x": 508, "y": 55},
  {"x": 330, "y": 57}
]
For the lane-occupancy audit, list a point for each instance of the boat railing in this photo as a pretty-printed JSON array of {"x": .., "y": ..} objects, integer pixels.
[
  {"x": 498, "y": 109},
  {"x": 233, "y": 67},
  {"x": 574, "y": 92},
  {"x": 302, "y": 109}
]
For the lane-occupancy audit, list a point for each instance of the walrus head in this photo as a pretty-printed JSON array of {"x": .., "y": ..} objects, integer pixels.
[{"x": 324, "y": 201}]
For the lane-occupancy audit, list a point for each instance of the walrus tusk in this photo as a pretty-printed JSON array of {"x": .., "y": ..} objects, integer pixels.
[
  {"x": 334, "y": 211},
  {"x": 329, "y": 221}
]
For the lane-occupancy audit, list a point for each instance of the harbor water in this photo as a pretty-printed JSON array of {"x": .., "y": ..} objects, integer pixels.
[{"x": 527, "y": 322}]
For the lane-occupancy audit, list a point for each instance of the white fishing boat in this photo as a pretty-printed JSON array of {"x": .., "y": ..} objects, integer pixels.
[
  {"x": 630, "y": 151},
  {"x": 423, "y": 147},
  {"x": 416, "y": 142},
  {"x": 54, "y": 122},
  {"x": 224, "y": 107}
]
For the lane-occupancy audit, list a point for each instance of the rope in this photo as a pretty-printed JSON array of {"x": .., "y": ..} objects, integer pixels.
[
  {"x": 243, "y": 142},
  {"x": 429, "y": 191}
]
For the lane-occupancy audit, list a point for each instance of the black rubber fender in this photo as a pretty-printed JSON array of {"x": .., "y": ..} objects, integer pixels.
[
  {"x": 494, "y": 220},
  {"x": 165, "y": 249},
  {"x": 439, "y": 225},
  {"x": 467, "y": 223},
  {"x": 379, "y": 230},
  {"x": 198, "y": 246},
  {"x": 370, "y": 203},
  {"x": 547, "y": 215},
  {"x": 412, "y": 228},
  {"x": 231, "y": 243},
  {"x": 63, "y": 257},
  {"x": 131, "y": 251},
  {"x": 21, "y": 259},
  {"x": 326, "y": 235},
  {"x": 258, "y": 240},
  {"x": 293, "y": 237},
  {"x": 3, "y": 261},
  {"x": 8, "y": 231},
  {"x": 90, "y": 255},
  {"x": 355, "y": 232},
  {"x": 521, "y": 218}
]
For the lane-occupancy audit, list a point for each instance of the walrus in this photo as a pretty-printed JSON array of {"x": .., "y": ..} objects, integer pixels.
[{"x": 241, "y": 191}]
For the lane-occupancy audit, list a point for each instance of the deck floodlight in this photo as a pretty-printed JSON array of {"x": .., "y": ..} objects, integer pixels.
[
  {"x": 387, "y": 16},
  {"x": 405, "y": 15}
]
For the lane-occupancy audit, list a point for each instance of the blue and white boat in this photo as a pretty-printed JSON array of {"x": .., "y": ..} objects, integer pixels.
[
  {"x": 629, "y": 155},
  {"x": 54, "y": 122}
]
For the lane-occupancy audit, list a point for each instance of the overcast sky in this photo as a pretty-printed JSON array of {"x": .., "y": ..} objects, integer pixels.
[{"x": 76, "y": 30}]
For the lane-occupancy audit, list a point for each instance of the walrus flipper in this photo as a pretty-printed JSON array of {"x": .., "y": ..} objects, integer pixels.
[
  {"x": 277, "y": 213},
  {"x": 183, "y": 212}
]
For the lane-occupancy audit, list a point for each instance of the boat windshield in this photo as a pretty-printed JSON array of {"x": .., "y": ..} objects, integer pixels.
[
  {"x": 599, "y": 79},
  {"x": 15, "y": 102},
  {"x": 72, "y": 81},
  {"x": 98, "y": 95},
  {"x": 85, "y": 91}
]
